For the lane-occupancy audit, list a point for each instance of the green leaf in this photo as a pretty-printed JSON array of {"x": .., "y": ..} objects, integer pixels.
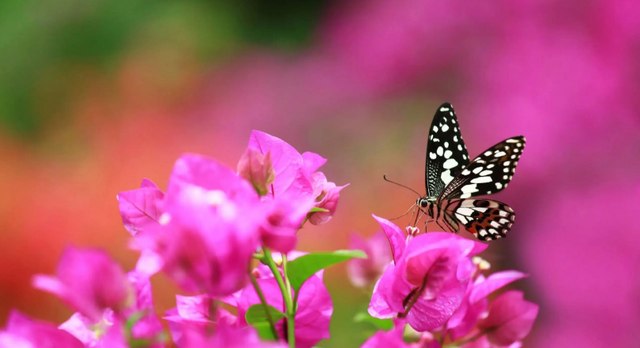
[
  {"x": 257, "y": 318},
  {"x": 256, "y": 314},
  {"x": 316, "y": 209},
  {"x": 382, "y": 324},
  {"x": 302, "y": 268}
]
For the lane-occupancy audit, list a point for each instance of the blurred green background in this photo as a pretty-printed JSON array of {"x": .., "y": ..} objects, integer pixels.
[{"x": 95, "y": 95}]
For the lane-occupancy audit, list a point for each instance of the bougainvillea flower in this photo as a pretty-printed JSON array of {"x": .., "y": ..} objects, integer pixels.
[
  {"x": 229, "y": 337},
  {"x": 283, "y": 218},
  {"x": 510, "y": 318},
  {"x": 326, "y": 195},
  {"x": 257, "y": 169},
  {"x": 312, "y": 317},
  {"x": 426, "y": 281},
  {"x": 396, "y": 237},
  {"x": 24, "y": 332},
  {"x": 387, "y": 339},
  {"x": 209, "y": 229},
  {"x": 475, "y": 302},
  {"x": 140, "y": 207},
  {"x": 196, "y": 314},
  {"x": 148, "y": 327},
  {"x": 297, "y": 175},
  {"x": 288, "y": 165},
  {"x": 483, "y": 342},
  {"x": 89, "y": 281},
  {"x": 365, "y": 272}
]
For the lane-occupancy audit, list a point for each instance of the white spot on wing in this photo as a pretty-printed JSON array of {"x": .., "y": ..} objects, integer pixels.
[
  {"x": 481, "y": 180},
  {"x": 448, "y": 154},
  {"x": 432, "y": 155},
  {"x": 445, "y": 127},
  {"x": 450, "y": 163},
  {"x": 446, "y": 177},
  {"x": 439, "y": 150},
  {"x": 498, "y": 185}
]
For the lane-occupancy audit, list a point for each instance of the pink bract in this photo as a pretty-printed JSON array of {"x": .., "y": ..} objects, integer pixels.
[
  {"x": 510, "y": 318},
  {"x": 140, "y": 207},
  {"x": 24, "y": 332},
  {"x": 365, "y": 272},
  {"x": 89, "y": 281}
]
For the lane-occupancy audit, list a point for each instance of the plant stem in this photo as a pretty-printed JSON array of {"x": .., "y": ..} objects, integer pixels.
[
  {"x": 290, "y": 322},
  {"x": 286, "y": 296},
  {"x": 265, "y": 305}
]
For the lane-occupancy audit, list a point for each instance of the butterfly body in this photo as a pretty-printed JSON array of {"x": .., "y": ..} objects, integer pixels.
[{"x": 452, "y": 180}]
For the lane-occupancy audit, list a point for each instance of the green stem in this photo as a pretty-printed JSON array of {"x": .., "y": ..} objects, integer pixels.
[
  {"x": 286, "y": 296},
  {"x": 265, "y": 305},
  {"x": 290, "y": 322}
]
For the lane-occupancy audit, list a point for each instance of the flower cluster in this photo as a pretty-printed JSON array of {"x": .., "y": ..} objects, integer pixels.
[
  {"x": 229, "y": 237},
  {"x": 434, "y": 284}
]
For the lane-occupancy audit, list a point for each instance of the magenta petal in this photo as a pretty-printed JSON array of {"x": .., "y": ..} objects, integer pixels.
[
  {"x": 387, "y": 339},
  {"x": 364, "y": 272},
  {"x": 510, "y": 318},
  {"x": 379, "y": 306},
  {"x": 312, "y": 161},
  {"x": 89, "y": 281},
  {"x": 22, "y": 329},
  {"x": 287, "y": 162},
  {"x": 140, "y": 207},
  {"x": 395, "y": 235},
  {"x": 494, "y": 282},
  {"x": 427, "y": 315},
  {"x": 149, "y": 262}
]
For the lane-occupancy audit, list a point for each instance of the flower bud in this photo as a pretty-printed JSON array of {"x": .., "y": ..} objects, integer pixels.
[
  {"x": 510, "y": 318},
  {"x": 257, "y": 169}
]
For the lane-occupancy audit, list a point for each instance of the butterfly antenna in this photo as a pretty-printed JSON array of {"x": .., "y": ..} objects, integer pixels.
[
  {"x": 405, "y": 213},
  {"x": 393, "y": 182}
]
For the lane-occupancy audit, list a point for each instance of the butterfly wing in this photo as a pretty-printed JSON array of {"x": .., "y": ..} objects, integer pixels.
[
  {"x": 488, "y": 173},
  {"x": 485, "y": 219},
  {"x": 447, "y": 154}
]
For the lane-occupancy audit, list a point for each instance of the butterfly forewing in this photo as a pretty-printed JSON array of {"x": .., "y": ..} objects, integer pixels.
[
  {"x": 488, "y": 173},
  {"x": 486, "y": 219},
  {"x": 446, "y": 152}
]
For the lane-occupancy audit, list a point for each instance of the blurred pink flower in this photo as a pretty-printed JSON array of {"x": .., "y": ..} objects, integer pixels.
[
  {"x": 209, "y": 229},
  {"x": 89, "y": 281},
  {"x": 483, "y": 342},
  {"x": 195, "y": 314},
  {"x": 140, "y": 207},
  {"x": 24, "y": 332},
  {"x": 283, "y": 218},
  {"x": 229, "y": 337},
  {"x": 148, "y": 327},
  {"x": 257, "y": 169},
  {"x": 510, "y": 318},
  {"x": 475, "y": 301},
  {"x": 391, "y": 339},
  {"x": 366, "y": 272},
  {"x": 312, "y": 317},
  {"x": 426, "y": 285}
]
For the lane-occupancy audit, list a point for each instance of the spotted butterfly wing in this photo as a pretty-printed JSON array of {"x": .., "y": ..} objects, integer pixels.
[
  {"x": 488, "y": 173},
  {"x": 447, "y": 154},
  {"x": 485, "y": 219}
]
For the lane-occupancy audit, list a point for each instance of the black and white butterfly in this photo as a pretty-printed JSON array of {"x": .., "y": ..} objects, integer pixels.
[{"x": 452, "y": 181}]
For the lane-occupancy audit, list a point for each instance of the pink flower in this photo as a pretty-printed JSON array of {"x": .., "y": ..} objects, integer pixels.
[
  {"x": 483, "y": 342},
  {"x": 426, "y": 285},
  {"x": 364, "y": 272},
  {"x": 257, "y": 169},
  {"x": 387, "y": 339},
  {"x": 229, "y": 337},
  {"x": 312, "y": 317},
  {"x": 89, "y": 281},
  {"x": 24, "y": 332},
  {"x": 475, "y": 302},
  {"x": 510, "y": 318},
  {"x": 140, "y": 207},
  {"x": 283, "y": 218},
  {"x": 296, "y": 174},
  {"x": 99, "y": 334},
  {"x": 327, "y": 195},
  {"x": 209, "y": 229},
  {"x": 196, "y": 314}
]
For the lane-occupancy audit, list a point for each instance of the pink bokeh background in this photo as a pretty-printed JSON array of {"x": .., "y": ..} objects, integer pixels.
[{"x": 566, "y": 74}]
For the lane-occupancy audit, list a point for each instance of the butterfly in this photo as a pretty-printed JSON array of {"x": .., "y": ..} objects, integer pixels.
[{"x": 452, "y": 181}]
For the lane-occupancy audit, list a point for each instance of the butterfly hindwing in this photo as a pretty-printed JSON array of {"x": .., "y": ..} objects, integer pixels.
[
  {"x": 485, "y": 219},
  {"x": 447, "y": 154},
  {"x": 488, "y": 173}
]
